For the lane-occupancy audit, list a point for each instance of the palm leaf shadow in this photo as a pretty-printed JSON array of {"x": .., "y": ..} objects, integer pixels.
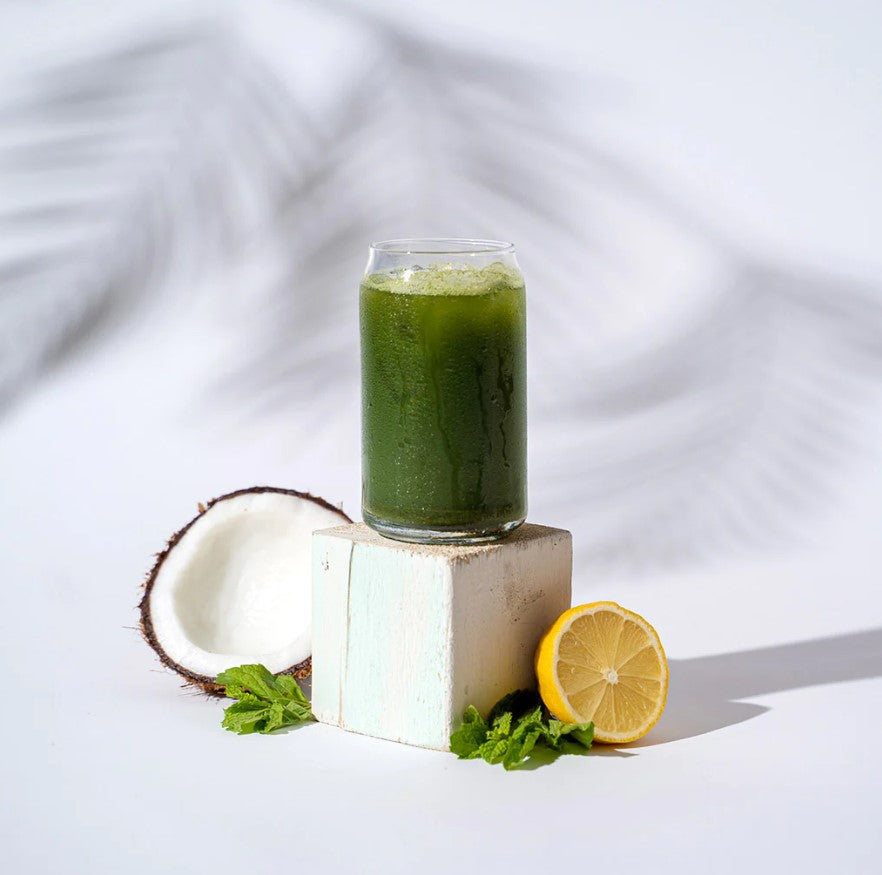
[
  {"x": 127, "y": 173},
  {"x": 661, "y": 441},
  {"x": 727, "y": 431}
]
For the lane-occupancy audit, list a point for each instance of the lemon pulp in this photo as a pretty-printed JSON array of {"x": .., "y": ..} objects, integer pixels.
[{"x": 604, "y": 663}]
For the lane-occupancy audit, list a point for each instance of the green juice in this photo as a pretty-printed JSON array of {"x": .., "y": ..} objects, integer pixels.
[{"x": 444, "y": 407}]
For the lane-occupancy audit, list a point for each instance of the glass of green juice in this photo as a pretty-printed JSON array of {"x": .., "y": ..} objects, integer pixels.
[{"x": 444, "y": 390}]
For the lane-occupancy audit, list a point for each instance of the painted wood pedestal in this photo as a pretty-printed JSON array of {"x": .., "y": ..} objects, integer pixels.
[{"x": 405, "y": 636}]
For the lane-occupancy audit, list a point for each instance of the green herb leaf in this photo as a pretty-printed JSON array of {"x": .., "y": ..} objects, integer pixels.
[
  {"x": 266, "y": 702},
  {"x": 583, "y": 733},
  {"x": 292, "y": 689},
  {"x": 257, "y": 679},
  {"x": 467, "y": 740},
  {"x": 519, "y": 703},
  {"x": 516, "y": 725},
  {"x": 248, "y": 715}
]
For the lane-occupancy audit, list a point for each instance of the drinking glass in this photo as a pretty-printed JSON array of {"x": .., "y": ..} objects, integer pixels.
[{"x": 444, "y": 400}]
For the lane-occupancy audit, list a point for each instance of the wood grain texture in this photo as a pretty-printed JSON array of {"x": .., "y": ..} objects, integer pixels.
[{"x": 406, "y": 635}]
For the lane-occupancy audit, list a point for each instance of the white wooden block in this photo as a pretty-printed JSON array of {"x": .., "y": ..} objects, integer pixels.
[{"x": 405, "y": 636}]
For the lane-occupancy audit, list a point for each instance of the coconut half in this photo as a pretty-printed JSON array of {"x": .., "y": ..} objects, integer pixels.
[{"x": 234, "y": 586}]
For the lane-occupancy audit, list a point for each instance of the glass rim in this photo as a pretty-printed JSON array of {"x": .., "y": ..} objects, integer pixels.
[{"x": 441, "y": 246}]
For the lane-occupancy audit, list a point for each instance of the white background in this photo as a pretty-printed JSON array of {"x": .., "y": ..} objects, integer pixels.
[{"x": 765, "y": 119}]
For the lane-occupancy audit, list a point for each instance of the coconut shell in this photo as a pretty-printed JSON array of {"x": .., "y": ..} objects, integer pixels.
[{"x": 209, "y": 684}]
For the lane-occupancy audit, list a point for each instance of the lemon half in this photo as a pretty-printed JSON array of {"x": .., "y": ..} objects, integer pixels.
[{"x": 603, "y": 663}]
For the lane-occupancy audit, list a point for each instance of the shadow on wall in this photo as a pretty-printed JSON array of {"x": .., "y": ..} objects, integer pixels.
[
  {"x": 687, "y": 399},
  {"x": 729, "y": 433},
  {"x": 705, "y": 692}
]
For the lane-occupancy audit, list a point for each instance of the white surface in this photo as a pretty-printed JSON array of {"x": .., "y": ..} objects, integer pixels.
[
  {"x": 406, "y": 636},
  {"x": 767, "y": 757}
]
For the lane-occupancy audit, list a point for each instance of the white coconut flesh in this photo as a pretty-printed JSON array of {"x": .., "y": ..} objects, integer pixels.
[{"x": 236, "y": 587}]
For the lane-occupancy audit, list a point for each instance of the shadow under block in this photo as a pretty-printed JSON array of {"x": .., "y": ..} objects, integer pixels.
[{"x": 405, "y": 636}]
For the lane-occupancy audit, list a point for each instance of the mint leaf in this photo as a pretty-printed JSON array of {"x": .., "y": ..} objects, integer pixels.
[
  {"x": 517, "y": 724},
  {"x": 501, "y": 726},
  {"x": 467, "y": 740},
  {"x": 266, "y": 702},
  {"x": 257, "y": 679},
  {"x": 519, "y": 703},
  {"x": 583, "y": 733},
  {"x": 292, "y": 689},
  {"x": 553, "y": 731},
  {"x": 276, "y": 718},
  {"x": 520, "y": 748},
  {"x": 294, "y": 712},
  {"x": 494, "y": 749},
  {"x": 556, "y": 733},
  {"x": 498, "y": 740},
  {"x": 528, "y": 730},
  {"x": 247, "y": 715}
]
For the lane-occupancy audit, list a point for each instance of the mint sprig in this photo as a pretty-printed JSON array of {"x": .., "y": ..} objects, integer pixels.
[
  {"x": 516, "y": 725},
  {"x": 266, "y": 701}
]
